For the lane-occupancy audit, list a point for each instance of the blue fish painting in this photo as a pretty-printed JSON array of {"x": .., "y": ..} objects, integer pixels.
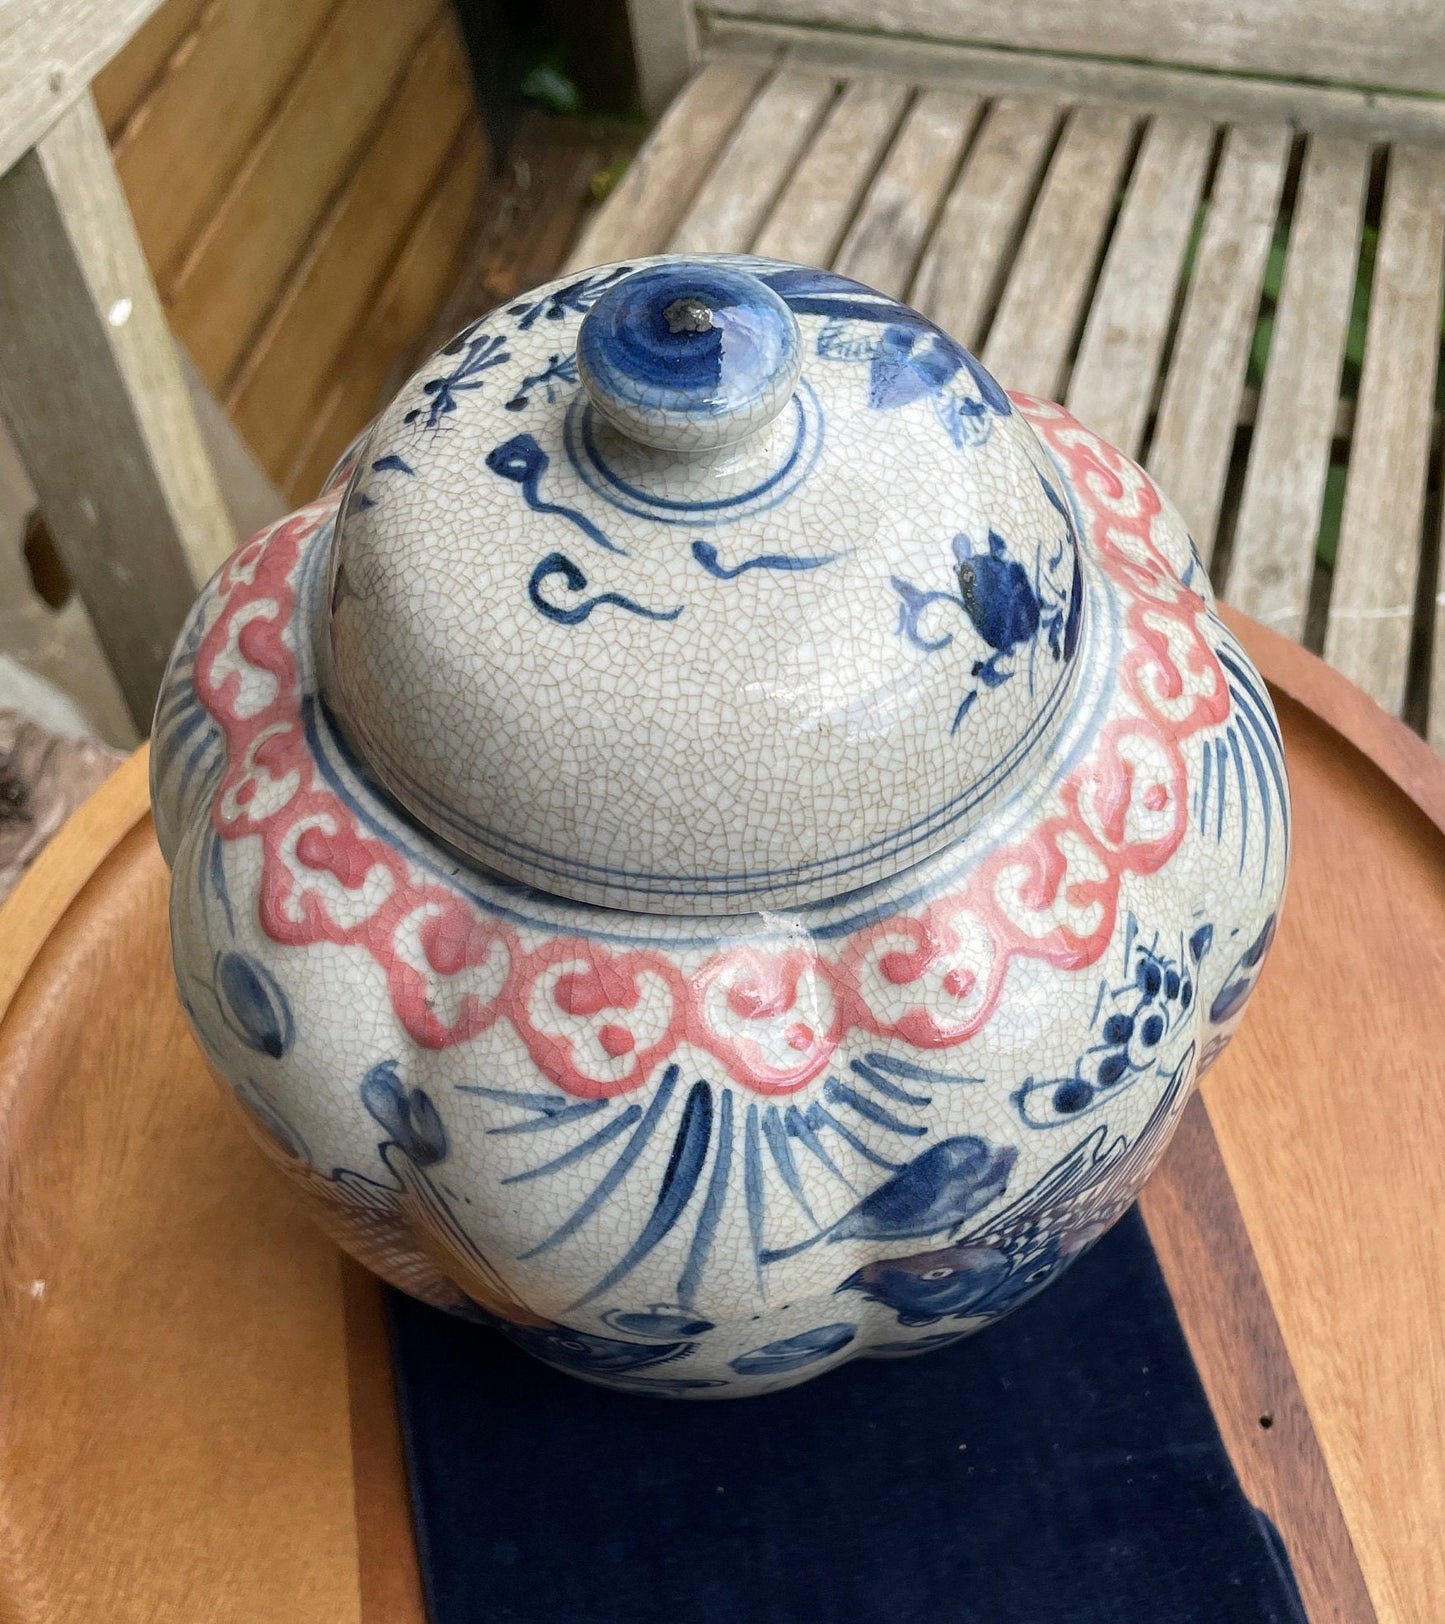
[
  {"x": 585, "y": 1353},
  {"x": 937, "y": 1191},
  {"x": 955, "y": 1282}
]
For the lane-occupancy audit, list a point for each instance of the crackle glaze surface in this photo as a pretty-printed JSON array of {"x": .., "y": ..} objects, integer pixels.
[
  {"x": 756, "y": 675},
  {"x": 705, "y": 1156}
]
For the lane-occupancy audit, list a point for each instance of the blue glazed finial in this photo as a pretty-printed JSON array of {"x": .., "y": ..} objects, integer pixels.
[{"x": 687, "y": 356}]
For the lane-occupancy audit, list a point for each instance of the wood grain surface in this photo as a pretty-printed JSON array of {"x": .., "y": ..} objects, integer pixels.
[{"x": 196, "y": 1418}]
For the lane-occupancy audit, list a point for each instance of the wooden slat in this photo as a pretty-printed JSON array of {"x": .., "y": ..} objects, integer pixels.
[
  {"x": 1384, "y": 42},
  {"x": 1112, "y": 385},
  {"x": 1199, "y": 409},
  {"x": 664, "y": 44},
  {"x": 232, "y": 275},
  {"x": 1435, "y": 696},
  {"x": 653, "y": 195},
  {"x": 1360, "y": 1294},
  {"x": 1368, "y": 114},
  {"x": 274, "y": 395},
  {"x": 732, "y": 203},
  {"x": 50, "y": 50},
  {"x": 121, "y": 85},
  {"x": 145, "y": 1476},
  {"x": 414, "y": 288},
  {"x": 808, "y": 220},
  {"x": 961, "y": 274},
  {"x": 202, "y": 118},
  {"x": 250, "y": 498},
  {"x": 1043, "y": 301},
  {"x": 1204, "y": 1251},
  {"x": 1272, "y": 559},
  {"x": 882, "y": 245},
  {"x": 1372, "y": 603},
  {"x": 91, "y": 388}
]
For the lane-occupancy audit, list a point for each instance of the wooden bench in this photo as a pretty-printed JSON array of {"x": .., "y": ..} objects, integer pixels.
[{"x": 1176, "y": 245}]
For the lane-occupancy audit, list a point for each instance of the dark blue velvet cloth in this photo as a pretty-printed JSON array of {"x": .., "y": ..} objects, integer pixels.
[{"x": 1062, "y": 1467}]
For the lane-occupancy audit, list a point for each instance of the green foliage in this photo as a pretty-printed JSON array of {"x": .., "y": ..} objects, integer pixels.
[{"x": 546, "y": 82}]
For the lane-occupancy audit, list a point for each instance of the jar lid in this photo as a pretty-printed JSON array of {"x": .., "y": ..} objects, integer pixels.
[{"x": 702, "y": 586}]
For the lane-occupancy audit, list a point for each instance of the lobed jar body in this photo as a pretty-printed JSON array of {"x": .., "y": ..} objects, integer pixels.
[{"x": 722, "y": 841}]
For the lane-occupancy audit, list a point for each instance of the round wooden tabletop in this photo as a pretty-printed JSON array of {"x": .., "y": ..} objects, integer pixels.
[{"x": 196, "y": 1418}]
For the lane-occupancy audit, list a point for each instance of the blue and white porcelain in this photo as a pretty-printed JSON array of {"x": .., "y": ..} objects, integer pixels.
[{"x": 723, "y": 840}]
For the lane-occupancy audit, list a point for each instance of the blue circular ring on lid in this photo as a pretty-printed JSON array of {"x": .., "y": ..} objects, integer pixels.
[{"x": 688, "y": 356}]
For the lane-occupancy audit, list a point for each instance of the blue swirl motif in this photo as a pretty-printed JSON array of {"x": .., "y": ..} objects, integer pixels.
[
  {"x": 1134, "y": 1020},
  {"x": 707, "y": 555},
  {"x": 1016, "y": 1252},
  {"x": 523, "y": 461},
  {"x": 559, "y": 566}
]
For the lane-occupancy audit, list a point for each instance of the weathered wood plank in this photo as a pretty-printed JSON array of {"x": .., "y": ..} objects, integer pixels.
[
  {"x": 1199, "y": 409},
  {"x": 1387, "y": 42},
  {"x": 401, "y": 307},
  {"x": 274, "y": 395},
  {"x": 751, "y": 170},
  {"x": 882, "y": 245},
  {"x": 654, "y": 194},
  {"x": 250, "y": 498},
  {"x": 50, "y": 50},
  {"x": 810, "y": 216},
  {"x": 1377, "y": 565},
  {"x": 664, "y": 44},
  {"x": 1043, "y": 302},
  {"x": 1370, "y": 115},
  {"x": 233, "y": 273},
  {"x": 121, "y": 86},
  {"x": 1272, "y": 560},
  {"x": 1112, "y": 385},
  {"x": 91, "y": 388},
  {"x": 963, "y": 268},
  {"x": 200, "y": 120}
]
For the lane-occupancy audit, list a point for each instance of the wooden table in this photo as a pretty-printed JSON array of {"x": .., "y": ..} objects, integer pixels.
[{"x": 196, "y": 1418}]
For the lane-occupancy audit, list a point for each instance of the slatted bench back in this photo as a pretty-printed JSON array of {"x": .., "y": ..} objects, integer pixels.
[
  {"x": 1395, "y": 43},
  {"x": 1381, "y": 44}
]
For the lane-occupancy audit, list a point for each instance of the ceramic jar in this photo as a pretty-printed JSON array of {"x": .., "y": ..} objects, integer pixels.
[{"x": 722, "y": 841}]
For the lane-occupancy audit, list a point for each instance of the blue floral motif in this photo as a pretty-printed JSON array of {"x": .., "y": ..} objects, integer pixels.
[
  {"x": 479, "y": 353},
  {"x": 1005, "y": 607},
  {"x": 407, "y": 1115},
  {"x": 794, "y": 1352},
  {"x": 559, "y": 375},
  {"x": 252, "y": 1003},
  {"x": 573, "y": 300},
  {"x": 1133, "y": 1022},
  {"x": 908, "y": 358}
]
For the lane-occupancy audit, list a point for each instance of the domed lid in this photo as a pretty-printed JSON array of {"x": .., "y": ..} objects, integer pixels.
[{"x": 702, "y": 586}]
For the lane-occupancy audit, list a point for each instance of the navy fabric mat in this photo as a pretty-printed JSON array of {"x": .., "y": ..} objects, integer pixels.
[{"x": 1061, "y": 1467}]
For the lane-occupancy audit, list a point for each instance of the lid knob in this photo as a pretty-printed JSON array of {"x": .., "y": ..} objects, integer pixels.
[{"x": 689, "y": 356}]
